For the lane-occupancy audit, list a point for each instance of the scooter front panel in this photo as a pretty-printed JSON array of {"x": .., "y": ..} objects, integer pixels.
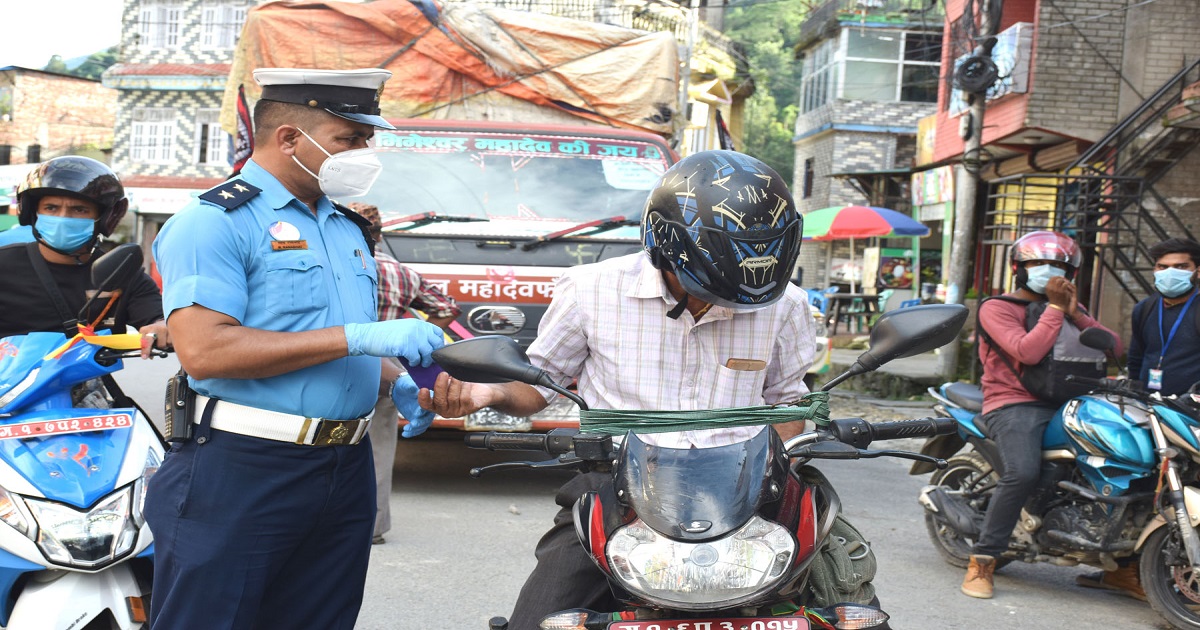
[{"x": 76, "y": 458}]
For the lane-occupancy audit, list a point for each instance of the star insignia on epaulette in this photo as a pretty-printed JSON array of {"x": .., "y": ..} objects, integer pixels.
[{"x": 230, "y": 194}]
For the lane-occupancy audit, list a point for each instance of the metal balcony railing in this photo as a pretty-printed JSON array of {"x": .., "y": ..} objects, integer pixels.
[{"x": 823, "y": 19}]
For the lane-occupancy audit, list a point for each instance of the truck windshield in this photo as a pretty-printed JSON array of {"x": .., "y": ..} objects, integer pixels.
[{"x": 489, "y": 176}]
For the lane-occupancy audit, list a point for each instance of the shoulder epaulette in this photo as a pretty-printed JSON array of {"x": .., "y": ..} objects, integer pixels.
[{"x": 230, "y": 194}]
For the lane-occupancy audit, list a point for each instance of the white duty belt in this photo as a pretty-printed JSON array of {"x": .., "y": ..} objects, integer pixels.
[{"x": 282, "y": 427}]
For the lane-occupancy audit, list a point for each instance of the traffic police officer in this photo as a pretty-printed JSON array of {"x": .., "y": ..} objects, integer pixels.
[{"x": 262, "y": 517}]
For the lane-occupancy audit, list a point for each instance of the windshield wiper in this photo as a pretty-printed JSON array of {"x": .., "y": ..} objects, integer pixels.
[
  {"x": 425, "y": 218},
  {"x": 600, "y": 225}
]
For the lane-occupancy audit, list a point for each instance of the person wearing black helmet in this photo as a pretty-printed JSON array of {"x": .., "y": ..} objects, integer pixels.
[
  {"x": 71, "y": 203},
  {"x": 703, "y": 318}
]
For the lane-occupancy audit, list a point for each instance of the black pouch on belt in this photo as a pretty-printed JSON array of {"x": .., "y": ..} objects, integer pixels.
[{"x": 180, "y": 402}]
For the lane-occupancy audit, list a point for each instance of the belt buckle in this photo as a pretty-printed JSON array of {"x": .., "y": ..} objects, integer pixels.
[{"x": 334, "y": 432}]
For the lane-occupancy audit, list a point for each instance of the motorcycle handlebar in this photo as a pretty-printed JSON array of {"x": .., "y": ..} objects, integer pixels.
[
  {"x": 860, "y": 433},
  {"x": 1119, "y": 385},
  {"x": 555, "y": 442}
]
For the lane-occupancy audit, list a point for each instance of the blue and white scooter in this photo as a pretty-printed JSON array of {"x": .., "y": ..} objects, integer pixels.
[{"x": 74, "y": 546}]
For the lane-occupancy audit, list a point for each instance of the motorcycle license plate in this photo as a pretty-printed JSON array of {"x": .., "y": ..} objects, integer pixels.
[
  {"x": 65, "y": 425},
  {"x": 739, "y": 623}
]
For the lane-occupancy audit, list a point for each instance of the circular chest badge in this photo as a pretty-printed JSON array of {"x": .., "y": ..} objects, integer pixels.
[{"x": 284, "y": 231}]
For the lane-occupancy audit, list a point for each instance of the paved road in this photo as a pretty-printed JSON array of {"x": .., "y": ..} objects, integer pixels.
[{"x": 461, "y": 547}]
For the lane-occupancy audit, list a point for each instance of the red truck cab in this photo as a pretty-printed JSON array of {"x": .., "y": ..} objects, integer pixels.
[{"x": 493, "y": 213}]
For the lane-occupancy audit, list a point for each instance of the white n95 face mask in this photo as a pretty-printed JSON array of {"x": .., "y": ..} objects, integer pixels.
[{"x": 346, "y": 174}]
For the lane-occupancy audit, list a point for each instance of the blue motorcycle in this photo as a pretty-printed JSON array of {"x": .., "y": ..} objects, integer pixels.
[
  {"x": 75, "y": 550},
  {"x": 1120, "y": 476}
]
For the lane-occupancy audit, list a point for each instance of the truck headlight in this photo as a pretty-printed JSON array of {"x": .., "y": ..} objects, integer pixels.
[
  {"x": 85, "y": 538},
  {"x": 691, "y": 576}
]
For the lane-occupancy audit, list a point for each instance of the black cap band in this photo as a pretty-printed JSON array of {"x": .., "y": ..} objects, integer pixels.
[{"x": 335, "y": 98}]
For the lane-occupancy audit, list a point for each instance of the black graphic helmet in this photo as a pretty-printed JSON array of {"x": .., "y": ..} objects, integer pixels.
[
  {"x": 1043, "y": 245},
  {"x": 74, "y": 176},
  {"x": 725, "y": 224}
]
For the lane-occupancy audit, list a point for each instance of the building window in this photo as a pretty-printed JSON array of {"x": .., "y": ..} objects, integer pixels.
[
  {"x": 817, "y": 84},
  {"x": 159, "y": 23},
  {"x": 33, "y": 154},
  {"x": 5, "y": 154},
  {"x": 808, "y": 178},
  {"x": 6, "y": 103},
  {"x": 891, "y": 65},
  {"x": 212, "y": 143},
  {"x": 220, "y": 23},
  {"x": 153, "y": 135}
]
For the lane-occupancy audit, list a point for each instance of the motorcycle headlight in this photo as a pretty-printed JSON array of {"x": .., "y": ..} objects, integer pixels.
[
  {"x": 85, "y": 538},
  {"x": 691, "y": 576},
  {"x": 153, "y": 461}
]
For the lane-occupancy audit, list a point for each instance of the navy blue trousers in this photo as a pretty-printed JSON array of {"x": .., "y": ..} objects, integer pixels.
[{"x": 260, "y": 534}]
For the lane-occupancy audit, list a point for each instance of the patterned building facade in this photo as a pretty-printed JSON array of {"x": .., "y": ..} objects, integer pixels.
[
  {"x": 176, "y": 57},
  {"x": 869, "y": 74}
]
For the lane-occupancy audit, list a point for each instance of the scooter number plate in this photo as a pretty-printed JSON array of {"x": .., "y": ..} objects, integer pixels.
[
  {"x": 740, "y": 623},
  {"x": 65, "y": 425}
]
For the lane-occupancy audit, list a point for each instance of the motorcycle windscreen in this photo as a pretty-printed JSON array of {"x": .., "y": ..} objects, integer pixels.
[{"x": 695, "y": 493}]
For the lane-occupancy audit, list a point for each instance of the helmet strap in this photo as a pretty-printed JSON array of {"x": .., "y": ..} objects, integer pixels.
[{"x": 679, "y": 308}]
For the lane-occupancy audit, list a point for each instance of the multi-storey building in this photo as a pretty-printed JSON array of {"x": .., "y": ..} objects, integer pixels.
[
  {"x": 1090, "y": 130},
  {"x": 175, "y": 57},
  {"x": 44, "y": 115},
  {"x": 870, "y": 71}
]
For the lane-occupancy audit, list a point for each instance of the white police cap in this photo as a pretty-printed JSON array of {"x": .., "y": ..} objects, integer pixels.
[{"x": 349, "y": 94}]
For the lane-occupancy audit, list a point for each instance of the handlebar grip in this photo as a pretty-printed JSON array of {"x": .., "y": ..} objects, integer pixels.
[
  {"x": 495, "y": 441},
  {"x": 921, "y": 427}
]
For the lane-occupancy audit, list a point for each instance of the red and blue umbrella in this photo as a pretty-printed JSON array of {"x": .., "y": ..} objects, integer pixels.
[
  {"x": 839, "y": 222},
  {"x": 842, "y": 222}
]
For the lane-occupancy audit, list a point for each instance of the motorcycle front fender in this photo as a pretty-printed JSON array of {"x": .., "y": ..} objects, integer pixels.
[
  {"x": 68, "y": 599},
  {"x": 942, "y": 447}
]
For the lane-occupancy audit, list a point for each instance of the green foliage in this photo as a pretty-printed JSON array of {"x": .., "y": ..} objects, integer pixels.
[
  {"x": 768, "y": 32},
  {"x": 91, "y": 68}
]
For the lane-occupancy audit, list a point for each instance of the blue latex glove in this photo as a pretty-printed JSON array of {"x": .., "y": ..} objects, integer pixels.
[
  {"x": 404, "y": 395},
  {"x": 413, "y": 339}
]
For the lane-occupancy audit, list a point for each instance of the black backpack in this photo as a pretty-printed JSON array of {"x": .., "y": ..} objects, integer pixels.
[{"x": 1047, "y": 380}]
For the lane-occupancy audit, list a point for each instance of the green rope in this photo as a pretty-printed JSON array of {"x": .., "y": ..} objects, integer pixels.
[{"x": 813, "y": 407}]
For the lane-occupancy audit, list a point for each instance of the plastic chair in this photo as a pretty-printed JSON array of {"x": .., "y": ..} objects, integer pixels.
[
  {"x": 818, "y": 299},
  {"x": 908, "y": 303}
]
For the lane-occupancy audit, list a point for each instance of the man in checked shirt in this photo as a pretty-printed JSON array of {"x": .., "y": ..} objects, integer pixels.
[
  {"x": 704, "y": 318},
  {"x": 399, "y": 289}
]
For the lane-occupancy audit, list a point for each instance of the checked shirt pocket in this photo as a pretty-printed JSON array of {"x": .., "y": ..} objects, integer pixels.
[{"x": 295, "y": 283}]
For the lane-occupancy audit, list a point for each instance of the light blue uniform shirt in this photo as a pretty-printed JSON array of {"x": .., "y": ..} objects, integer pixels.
[
  {"x": 17, "y": 234},
  {"x": 223, "y": 260}
]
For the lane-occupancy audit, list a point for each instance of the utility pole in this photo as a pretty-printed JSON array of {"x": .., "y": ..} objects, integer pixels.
[
  {"x": 974, "y": 77},
  {"x": 693, "y": 26}
]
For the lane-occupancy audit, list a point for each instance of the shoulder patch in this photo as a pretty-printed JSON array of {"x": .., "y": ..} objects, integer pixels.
[{"x": 230, "y": 194}]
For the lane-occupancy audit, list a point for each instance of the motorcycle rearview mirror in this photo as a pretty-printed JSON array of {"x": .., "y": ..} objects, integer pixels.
[
  {"x": 112, "y": 271},
  {"x": 1104, "y": 341},
  {"x": 495, "y": 359},
  {"x": 907, "y": 332},
  {"x": 1097, "y": 339}
]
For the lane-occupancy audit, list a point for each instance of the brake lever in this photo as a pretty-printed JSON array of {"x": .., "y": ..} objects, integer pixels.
[
  {"x": 920, "y": 457},
  {"x": 568, "y": 460}
]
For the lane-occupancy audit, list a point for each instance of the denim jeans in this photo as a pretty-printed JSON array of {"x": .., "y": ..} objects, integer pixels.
[{"x": 1017, "y": 431}]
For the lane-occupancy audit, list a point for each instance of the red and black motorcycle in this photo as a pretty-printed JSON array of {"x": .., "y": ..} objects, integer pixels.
[{"x": 714, "y": 538}]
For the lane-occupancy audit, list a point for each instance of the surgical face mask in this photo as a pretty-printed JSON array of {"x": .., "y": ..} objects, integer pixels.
[
  {"x": 1040, "y": 275},
  {"x": 346, "y": 174},
  {"x": 1173, "y": 282},
  {"x": 65, "y": 234}
]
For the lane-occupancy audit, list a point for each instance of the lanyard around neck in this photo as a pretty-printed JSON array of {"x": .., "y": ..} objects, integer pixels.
[{"x": 1162, "y": 306}]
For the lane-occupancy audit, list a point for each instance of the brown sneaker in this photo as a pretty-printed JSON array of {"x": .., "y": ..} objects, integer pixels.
[
  {"x": 1124, "y": 580},
  {"x": 978, "y": 582}
]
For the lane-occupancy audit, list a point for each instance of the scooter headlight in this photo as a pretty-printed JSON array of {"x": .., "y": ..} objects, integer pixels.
[
  {"x": 153, "y": 461},
  {"x": 11, "y": 512},
  {"x": 85, "y": 538},
  {"x": 691, "y": 576}
]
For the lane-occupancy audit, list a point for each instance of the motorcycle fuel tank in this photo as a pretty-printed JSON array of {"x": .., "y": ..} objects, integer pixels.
[{"x": 1111, "y": 427}]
